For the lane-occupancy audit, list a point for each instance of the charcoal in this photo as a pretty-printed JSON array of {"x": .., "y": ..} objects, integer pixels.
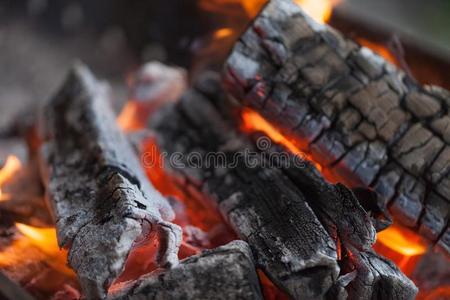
[
  {"x": 101, "y": 199},
  {"x": 378, "y": 278},
  {"x": 227, "y": 272},
  {"x": 367, "y": 122},
  {"x": 261, "y": 204}
]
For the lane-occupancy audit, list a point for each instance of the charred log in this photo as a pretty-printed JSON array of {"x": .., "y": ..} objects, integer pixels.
[
  {"x": 292, "y": 218},
  {"x": 378, "y": 278},
  {"x": 227, "y": 272},
  {"x": 261, "y": 204},
  {"x": 353, "y": 112},
  {"x": 101, "y": 199}
]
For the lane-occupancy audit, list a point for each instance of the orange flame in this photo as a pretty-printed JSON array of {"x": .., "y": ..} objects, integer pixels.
[
  {"x": 402, "y": 246},
  {"x": 319, "y": 10},
  {"x": 128, "y": 118},
  {"x": 379, "y": 49},
  {"x": 252, "y": 121},
  {"x": 223, "y": 33},
  {"x": 45, "y": 240},
  {"x": 12, "y": 166}
]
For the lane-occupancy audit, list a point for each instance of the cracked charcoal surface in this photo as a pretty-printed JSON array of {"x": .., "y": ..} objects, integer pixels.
[
  {"x": 355, "y": 113},
  {"x": 226, "y": 272},
  {"x": 261, "y": 204},
  {"x": 99, "y": 194},
  {"x": 282, "y": 213}
]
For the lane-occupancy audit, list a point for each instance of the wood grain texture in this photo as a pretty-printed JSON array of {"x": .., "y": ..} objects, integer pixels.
[
  {"x": 101, "y": 199},
  {"x": 226, "y": 272},
  {"x": 291, "y": 217},
  {"x": 356, "y": 114}
]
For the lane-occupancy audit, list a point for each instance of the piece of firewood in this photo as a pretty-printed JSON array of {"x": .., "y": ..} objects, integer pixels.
[
  {"x": 226, "y": 272},
  {"x": 261, "y": 204},
  {"x": 357, "y": 115},
  {"x": 101, "y": 199},
  {"x": 268, "y": 195},
  {"x": 377, "y": 278}
]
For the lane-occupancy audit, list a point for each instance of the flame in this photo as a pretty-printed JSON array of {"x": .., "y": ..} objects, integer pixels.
[
  {"x": 45, "y": 240},
  {"x": 319, "y": 10},
  {"x": 402, "y": 241},
  {"x": 223, "y": 33},
  {"x": 127, "y": 119},
  {"x": 11, "y": 167},
  {"x": 253, "y": 121},
  {"x": 379, "y": 49},
  {"x": 402, "y": 246}
]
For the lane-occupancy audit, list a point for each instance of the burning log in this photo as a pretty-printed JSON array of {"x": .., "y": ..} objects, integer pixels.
[
  {"x": 362, "y": 119},
  {"x": 227, "y": 272},
  {"x": 294, "y": 224},
  {"x": 378, "y": 278},
  {"x": 261, "y": 204},
  {"x": 101, "y": 199}
]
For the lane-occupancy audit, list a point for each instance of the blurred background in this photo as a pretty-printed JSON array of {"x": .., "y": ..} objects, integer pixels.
[{"x": 40, "y": 39}]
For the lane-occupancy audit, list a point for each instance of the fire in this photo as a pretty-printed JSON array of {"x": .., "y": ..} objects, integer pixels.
[
  {"x": 45, "y": 240},
  {"x": 12, "y": 166},
  {"x": 402, "y": 246},
  {"x": 379, "y": 49},
  {"x": 319, "y": 10},
  {"x": 223, "y": 33},
  {"x": 252, "y": 121},
  {"x": 127, "y": 118}
]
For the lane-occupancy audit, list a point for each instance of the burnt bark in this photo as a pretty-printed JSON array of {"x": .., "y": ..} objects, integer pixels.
[
  {"x": 291, "y": 217},
  {"x": 226, "y": 272},
  {"x": 356, "y": 114},
  {"x": 100, "y": 196},
  {"x": 261, "y": 204},
  {"x": 377, "y": 278}
]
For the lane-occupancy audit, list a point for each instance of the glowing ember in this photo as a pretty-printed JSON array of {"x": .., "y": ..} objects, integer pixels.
[
  {"x": 127, "y": 119},
  {"x": 379, "y": 49},
  {"x": 223, "y": 33},
  {"x": 12, "y": 165},
  {"x": 402, "y": 246},
  {"x": 45, "y": 240},
  {"x": 252, "y": 121},
  {"x": 402, "y": 241},
  {"x": 319, "y": 10}
]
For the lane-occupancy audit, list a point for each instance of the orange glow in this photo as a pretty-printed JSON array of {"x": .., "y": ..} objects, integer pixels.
[
  {"x": 402, "y": 246},
  {"x": 252, "y": 121},
  {"x": 270, "y": 290},
  {"x": 128, "y": 118},
  {"x": 35, "y": 245},
  {"x": 402, "y": 241},
  {"x": 45, "y": 240},
  {"x": 379, "y": 49},
  {"x": 12, "y": 166},
  {"x": 223, "y": 33},
  {"x": 319, "y": 10},
  {"x": 191, "y": 207}
]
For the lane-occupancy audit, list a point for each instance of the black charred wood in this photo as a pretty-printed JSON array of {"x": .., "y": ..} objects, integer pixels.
[
  {"x": 100, "y": 196},
  {"x": 261, "y": 204},
  {"x": 226, "y": 272},
  {"x": 357, "y": 115}
]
